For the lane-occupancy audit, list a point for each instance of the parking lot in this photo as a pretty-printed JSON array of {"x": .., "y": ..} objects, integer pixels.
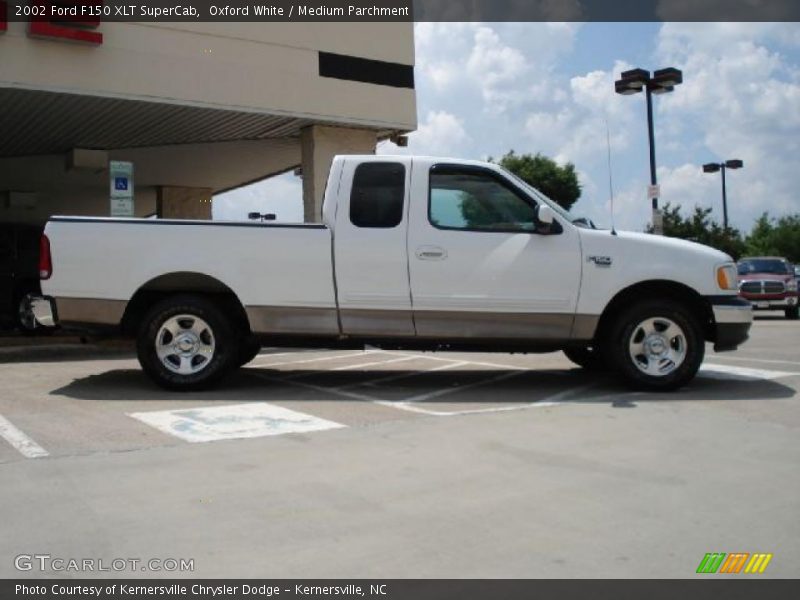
[{"x": 369, "y": 463}]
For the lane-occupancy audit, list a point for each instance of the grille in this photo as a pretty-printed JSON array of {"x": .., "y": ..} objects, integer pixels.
[
  {"x": 774, "y": 287},
  {"x": 751, "y": 287}
]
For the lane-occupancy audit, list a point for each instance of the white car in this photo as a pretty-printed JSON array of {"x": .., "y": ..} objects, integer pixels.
[{"x": 412, "y": 252}]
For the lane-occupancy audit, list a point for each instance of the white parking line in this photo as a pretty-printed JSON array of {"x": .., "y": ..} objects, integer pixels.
[
  {"x": 717, "y": 371},
  {"x": 316, "y": 388},
  {"x": 557, "y": 399},
  {"x": 459, "y": 388},
  {"x": 374, "y": 363},
  {"x": 374, "y": 382},
  {"x": 21, "y": 442},
  {"x": 303, "y": 374},
  {"x": 493, "y": 365},
  {"x": 758, "y": 360},
  {"x": 310, "y": 360}
]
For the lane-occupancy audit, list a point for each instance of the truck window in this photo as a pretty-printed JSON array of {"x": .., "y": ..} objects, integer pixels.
[
  {"x": 477, "y": 200},
  {"x": 376, "y": 200}
]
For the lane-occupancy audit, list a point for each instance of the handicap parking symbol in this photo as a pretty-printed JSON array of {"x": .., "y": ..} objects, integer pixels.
[{"x": 121, "y": 183}]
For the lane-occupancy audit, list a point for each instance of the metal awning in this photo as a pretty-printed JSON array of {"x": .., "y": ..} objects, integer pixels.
[{"x": 36, "y": 122}]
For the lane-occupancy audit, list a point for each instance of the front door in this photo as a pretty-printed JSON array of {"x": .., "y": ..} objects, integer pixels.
[{"x": 478, "y": 268}]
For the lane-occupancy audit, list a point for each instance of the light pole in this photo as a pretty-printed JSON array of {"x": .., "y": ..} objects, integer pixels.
[
  {"x": 661, "y": 82},
  {"x": 734, "y": 163}
]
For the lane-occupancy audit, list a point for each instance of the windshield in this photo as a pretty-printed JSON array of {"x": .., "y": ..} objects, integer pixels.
[
  {"x": 574, "y": 219},
  {"x": 764, "y": 265}
]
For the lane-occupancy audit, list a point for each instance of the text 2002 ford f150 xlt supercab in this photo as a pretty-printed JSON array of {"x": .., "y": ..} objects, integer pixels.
[{"x": 418, "y": 253}]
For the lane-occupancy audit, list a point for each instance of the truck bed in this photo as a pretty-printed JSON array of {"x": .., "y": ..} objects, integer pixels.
[{"x": 291, "y": 263}]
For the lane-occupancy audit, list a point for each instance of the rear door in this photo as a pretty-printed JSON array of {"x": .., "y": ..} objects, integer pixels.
[
  {"x": 370, "y": 258},
  {"x": 478, "y": 268}
]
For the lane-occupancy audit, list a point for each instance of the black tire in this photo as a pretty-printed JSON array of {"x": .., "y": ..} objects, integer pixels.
[
  {"x": 249, "y": 348},
  {"x": 587, "y": 357},
  {"x": 217, "y": 338},
  {"x": 793, "y": 313},
  {"x": 661, "y": 351}
]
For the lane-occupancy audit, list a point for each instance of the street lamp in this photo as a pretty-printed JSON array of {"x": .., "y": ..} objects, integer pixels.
[
  {"x": 661, "y": 82},
  {"x": 257, "y": 216},
  {"x": 734, "y": 163}
]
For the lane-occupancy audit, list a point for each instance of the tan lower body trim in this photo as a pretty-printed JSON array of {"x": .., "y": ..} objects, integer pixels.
[
  {"x": 505, "y": 326},
  {"x": 377, "y": 323},
  {"x": 90, "y": 310},
  {"x": 284, "y": 320},
  {"x": 389, "y": 323},
  {"x": 447, "y": 325},
  {"x": 584, "y": 327}
]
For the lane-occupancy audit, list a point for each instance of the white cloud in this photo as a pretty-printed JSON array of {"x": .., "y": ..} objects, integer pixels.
[
  {"x": 441, "y": 134},
  {"x": 741, "y": 98},
  {"x": 497, "y": 68}
]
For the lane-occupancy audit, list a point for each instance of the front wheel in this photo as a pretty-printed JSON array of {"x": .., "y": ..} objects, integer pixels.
[
  {"x": 792, "y": 313},
  {"x": 657, "y": 345},
  {"x": 186, "y": 343}
]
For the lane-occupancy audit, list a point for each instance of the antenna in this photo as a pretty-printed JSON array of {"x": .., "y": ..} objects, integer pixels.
[{"x": 610, "y": 177}]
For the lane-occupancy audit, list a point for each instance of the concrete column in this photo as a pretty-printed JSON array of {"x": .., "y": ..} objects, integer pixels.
[
  {"x": 319, "y": 144},
  {"x": 175, "y": 202}
]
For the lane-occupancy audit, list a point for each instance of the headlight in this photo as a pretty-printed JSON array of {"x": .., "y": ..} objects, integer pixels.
[
  {"x": 791, "y": 285},
  {"x": 727, "y": 277}
]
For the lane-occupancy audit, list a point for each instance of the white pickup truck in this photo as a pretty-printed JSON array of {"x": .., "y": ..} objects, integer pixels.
[{"x": 416, "y": 253}]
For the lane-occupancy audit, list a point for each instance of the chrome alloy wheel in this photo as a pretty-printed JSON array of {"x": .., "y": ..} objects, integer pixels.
[
  {"x": 185, "y": 344},
  {"x": 657, "y": 346}
]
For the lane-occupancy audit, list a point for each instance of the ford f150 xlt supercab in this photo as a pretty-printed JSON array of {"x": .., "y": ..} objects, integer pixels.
[{"x": 418, "y": 253}]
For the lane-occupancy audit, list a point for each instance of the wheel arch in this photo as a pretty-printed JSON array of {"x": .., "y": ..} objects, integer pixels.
[
  {"x": 182, "y": 282},
  {"x": 657, "y": 289}
]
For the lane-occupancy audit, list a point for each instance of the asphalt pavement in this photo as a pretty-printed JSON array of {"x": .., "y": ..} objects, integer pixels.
[{"x": 310, "y": 463}]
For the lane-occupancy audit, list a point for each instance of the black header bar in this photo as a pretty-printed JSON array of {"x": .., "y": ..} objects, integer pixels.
[
  {"x": 82, "y": 11},
  {"x": 702, "y": 587}
]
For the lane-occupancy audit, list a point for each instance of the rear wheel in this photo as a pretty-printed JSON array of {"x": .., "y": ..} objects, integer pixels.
[
  {"x": 793, "y": 313},
  {"x": 186, "y": 343},
  {"x": 657, "y": 345}
]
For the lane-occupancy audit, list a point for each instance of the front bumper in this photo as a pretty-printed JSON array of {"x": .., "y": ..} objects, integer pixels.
[
  {"x": 771, "y": 303},
  {"x": 40, "y": 310},
  {"x": 733, "y": 317}
]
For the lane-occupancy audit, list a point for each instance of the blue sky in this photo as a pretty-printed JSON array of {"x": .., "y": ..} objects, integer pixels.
[{"x": 548, "y": 87}]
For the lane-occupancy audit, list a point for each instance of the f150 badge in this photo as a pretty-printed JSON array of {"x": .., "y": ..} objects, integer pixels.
[{"x": 600, "y": 261}]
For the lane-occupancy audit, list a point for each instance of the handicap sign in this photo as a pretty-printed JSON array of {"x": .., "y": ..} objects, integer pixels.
[{"x": 120, "y": 174}]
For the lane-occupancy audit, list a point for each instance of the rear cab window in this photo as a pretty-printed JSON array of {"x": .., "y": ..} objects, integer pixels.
[{"x": 378, "y": 195}]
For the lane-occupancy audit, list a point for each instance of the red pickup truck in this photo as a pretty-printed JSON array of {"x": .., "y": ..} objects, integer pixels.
[{"x": 769, "y": 283}]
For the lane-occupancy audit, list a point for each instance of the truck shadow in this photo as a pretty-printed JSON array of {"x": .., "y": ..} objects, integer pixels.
[{"x": 506, "y": 387}]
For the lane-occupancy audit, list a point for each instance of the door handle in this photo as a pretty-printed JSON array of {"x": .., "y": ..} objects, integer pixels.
[{"x": 431, "y": 253}]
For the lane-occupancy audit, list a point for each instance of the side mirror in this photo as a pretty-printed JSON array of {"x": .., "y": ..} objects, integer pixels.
[{"x": 544, "y": 218}]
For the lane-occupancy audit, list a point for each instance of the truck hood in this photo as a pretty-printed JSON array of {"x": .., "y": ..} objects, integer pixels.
[{"x": 670, "y": 246}]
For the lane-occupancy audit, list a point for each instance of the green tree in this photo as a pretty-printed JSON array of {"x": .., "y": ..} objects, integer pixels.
[
  {"x": 700, "y": 228},
  {"x": 771, "y": 237},
  {"x": 560, "y": 183}
]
